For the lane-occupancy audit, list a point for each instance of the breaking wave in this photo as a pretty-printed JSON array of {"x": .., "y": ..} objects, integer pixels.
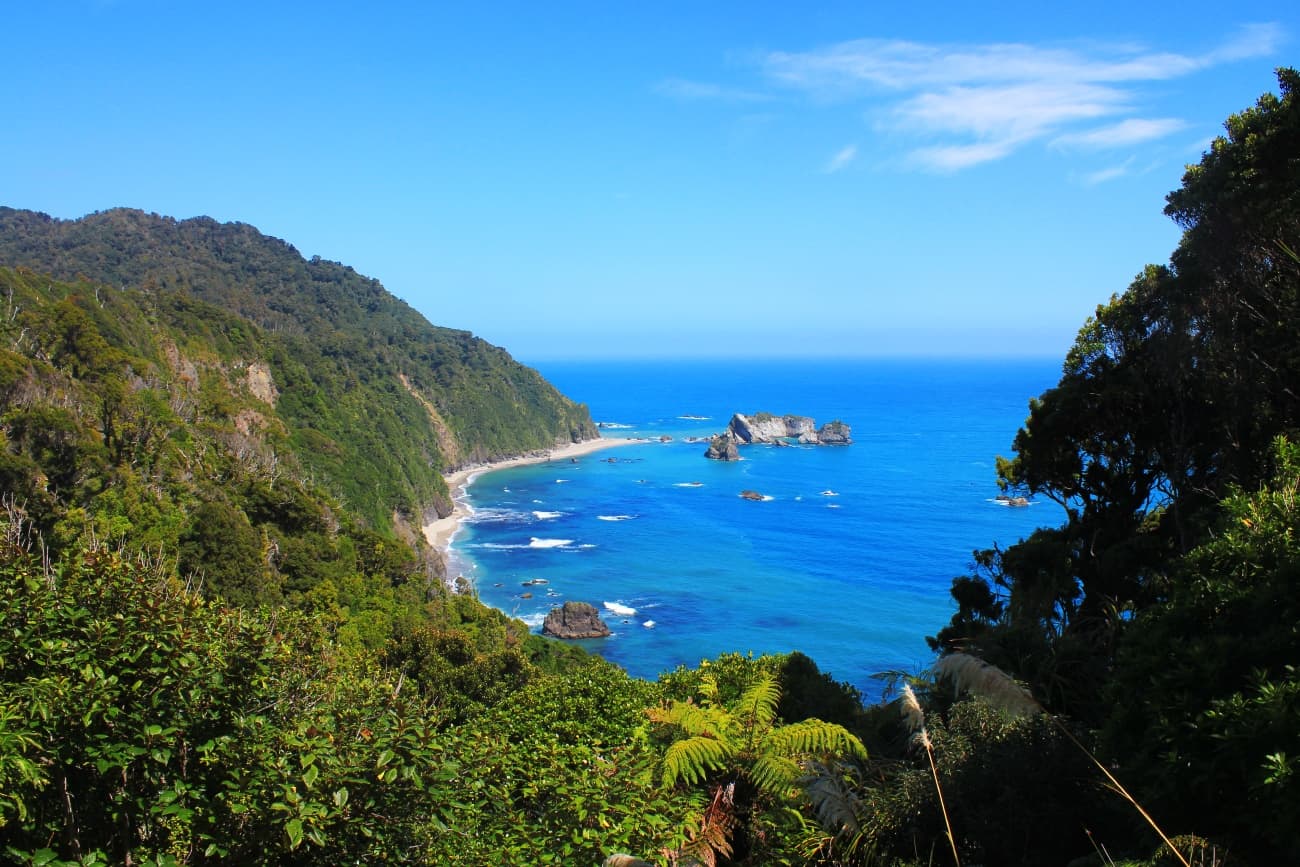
[{"x": 535, "y": 542}]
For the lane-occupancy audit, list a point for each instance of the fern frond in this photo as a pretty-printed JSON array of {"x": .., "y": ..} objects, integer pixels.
[
  {"x": 776, "y": 774},
  {"x": 757, "y": 706},
  {"x": 833, "y": 802},
  {"x": 690, "y": 760},
  {"x": 713, "y": 837},
  {"x": 813, "y": 737},
  {"x": 692, "y": 719}
]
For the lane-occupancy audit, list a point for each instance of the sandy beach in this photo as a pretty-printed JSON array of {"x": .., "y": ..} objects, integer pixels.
[{"x": 440, "y": 532}]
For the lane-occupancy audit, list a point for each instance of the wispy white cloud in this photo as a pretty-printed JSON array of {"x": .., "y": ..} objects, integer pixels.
[
  {"x": 842, "y": 158},
  {"x": 978, "y": 103},
  {"x": 1251, "y": 41},
  {"x": 1108, "y": 174},
  {"x": 699, "y": 91},
  {"x": 860, "y": 65},
  {"x": 1127, "y": 132},
  {"x": 952, "y": 158}
]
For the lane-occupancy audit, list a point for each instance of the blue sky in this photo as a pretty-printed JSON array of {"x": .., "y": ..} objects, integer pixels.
[{"x": 640, "y": 179}]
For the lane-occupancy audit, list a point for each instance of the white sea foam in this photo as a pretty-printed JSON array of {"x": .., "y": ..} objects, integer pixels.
[
  {"x": 694, "y": 417},
  {"x": 612, "y": 424},
  {"x": 535, "y": 542},
  {"x": 621, "y": 610},
  {"x": 588, "y": 545},
  {"x": 533, "y": 620},
  {"x": 546, "y": 516},
  {"x": 615, "y": 517},
  {"x": 649, "y": 624},
  {"x": 492, "y": 516},
  {"x": 560, "y": 481},
  {"x": 829, "y": 493},
  {"x": 688, "y": 484}
]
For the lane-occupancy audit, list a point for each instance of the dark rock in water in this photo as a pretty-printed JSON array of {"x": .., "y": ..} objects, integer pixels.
[
  {"x": 835, "y": 433},
  {"x": 575, "y": 620},
  {"x": 751, "y": 495},
  {"x": 723, "y": 448}
]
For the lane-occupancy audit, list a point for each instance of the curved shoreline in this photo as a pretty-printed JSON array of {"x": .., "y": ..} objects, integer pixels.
[{"x": 440, "y": 533}]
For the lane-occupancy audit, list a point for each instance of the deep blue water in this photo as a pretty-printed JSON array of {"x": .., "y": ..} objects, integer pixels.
[{"x": 855, "y": 580}]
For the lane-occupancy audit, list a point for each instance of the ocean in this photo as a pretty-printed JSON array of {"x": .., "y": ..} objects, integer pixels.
[{"x": 849, "y": 556}]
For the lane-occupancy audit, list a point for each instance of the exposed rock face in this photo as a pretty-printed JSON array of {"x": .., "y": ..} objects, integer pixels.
[
  {"x": 723, "y": 448},
  {"x": 575, "y": 620},
  {"x": 835, "y": 433},
  {"x": 767, "y": 429},
  {"x": 764, "y": 427},
  {"x": 260, "y": 384},
  {"x": 751, "y": 495}
]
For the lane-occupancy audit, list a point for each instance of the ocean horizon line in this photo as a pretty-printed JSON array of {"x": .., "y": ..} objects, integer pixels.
[{"x": 739, "y": 358}]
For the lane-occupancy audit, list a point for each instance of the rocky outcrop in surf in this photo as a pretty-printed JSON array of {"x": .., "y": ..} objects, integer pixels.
[
  {"x": 763, "y": 428},
  {"x": 575, "y": 620},
  {"x": 723, "y": 448},
  {"x": 834, "y": 433}
]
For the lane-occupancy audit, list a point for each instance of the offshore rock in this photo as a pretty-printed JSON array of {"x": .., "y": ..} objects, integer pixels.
[
  {"x": 723, "y": 448},
  {"x": 763, "y": 427},
  {"x": 767, "y": 429},
  {"x": 575, "y": 620},
  {"x": 835, "y": 433}
]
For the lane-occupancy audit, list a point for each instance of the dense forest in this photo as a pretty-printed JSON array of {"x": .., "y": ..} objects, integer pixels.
[
  {"x": 375, "y": 401},
  {"x": 221, "y": 640}
]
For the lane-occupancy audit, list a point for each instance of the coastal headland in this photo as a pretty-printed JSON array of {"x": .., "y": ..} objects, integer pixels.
[{"x": 439, "y": 533}]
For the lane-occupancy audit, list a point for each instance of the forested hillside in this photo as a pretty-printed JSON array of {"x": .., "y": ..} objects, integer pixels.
[
  {"x": 376, "y": 402},
  {"x": 212, "y": 649}
]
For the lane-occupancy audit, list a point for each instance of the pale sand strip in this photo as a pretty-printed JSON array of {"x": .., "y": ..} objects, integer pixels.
[{"x": 439, "y": 533}]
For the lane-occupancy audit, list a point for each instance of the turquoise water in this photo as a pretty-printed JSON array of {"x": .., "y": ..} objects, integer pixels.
[{"x": 855, "y": 578}]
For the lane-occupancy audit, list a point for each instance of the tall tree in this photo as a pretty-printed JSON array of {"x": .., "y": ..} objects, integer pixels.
[{"x": 1169, "y": 396}]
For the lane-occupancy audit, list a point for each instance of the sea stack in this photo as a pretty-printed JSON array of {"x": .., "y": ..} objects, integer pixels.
[
  {"x": 723, "y": 448},
  {"x": 575, "y": 620},
  {"x": 763, "y": 428},
  {"x": 835, "y": 433}
]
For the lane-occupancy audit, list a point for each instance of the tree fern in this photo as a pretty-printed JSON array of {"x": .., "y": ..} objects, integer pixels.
[
  {"x": 693, "y": 719},
  {"x": 691, "y": 760},
  {"x": 725, "y": 746},
  {"x": 756, "y": 709},
  {"x": 812, "y": 737},
  {"x": 776, "y": 774}
]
